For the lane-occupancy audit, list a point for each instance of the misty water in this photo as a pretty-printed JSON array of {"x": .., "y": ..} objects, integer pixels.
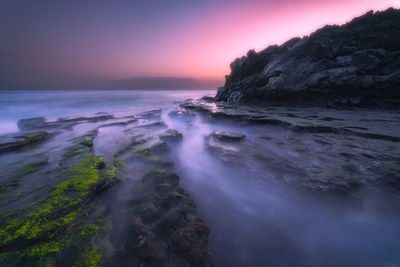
[{"x": 256, "y": 217}]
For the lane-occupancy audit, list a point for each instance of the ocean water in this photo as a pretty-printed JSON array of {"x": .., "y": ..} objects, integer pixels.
[
  {"x": 255, "y": 217},
  {"x": 16, "y": 105}
]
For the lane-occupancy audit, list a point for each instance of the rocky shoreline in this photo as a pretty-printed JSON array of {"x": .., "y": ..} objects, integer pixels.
[
  {"x": 68, "y": 220},
  {"x": 353, "y": 65},
  {"x": 366, "y": 147},
  {"x": 103, "y": 191}
]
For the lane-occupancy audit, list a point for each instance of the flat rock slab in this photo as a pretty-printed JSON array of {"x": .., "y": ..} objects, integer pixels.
[
  {"x": 41, "y": 123},
  {"x": 365, "y": 123},
  {"x": 24, "y": 140}
]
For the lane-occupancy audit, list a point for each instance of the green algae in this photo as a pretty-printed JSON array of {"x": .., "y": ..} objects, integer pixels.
[
  {"x": 57, "y": 212},
  {"x": 87, "y": 143},
  {"x": 144, "y": 152},
  {"x": 135, "y": 142},
  {"x": 153, "y": 172},
  {"x": 42, "y": 228},
  {"x": 29, "y": 169},
  {"x": 35, "y": 136},
  {"x": 91, "y": 258},
  {"x": 37, "y": 255},
  {"x": 147, "y": 180},
  {"x": 11, "y": 178},
  {"x": 23, "y": 141},
  {"x": 43, "y": 253},
  {"x": 119, "y": 163}
]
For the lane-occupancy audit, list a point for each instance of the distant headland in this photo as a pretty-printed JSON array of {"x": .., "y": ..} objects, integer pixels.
[{"x": 356, "y": 64}]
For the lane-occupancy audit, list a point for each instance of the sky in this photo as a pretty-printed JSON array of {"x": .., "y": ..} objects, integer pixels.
[{"x": 47, "y": 44}]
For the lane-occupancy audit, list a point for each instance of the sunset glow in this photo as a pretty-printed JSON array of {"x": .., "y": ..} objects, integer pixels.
[{"x": 178, "y": 39}]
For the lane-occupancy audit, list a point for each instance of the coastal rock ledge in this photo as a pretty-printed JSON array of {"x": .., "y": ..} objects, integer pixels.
[{"x": 356, "y": 64}]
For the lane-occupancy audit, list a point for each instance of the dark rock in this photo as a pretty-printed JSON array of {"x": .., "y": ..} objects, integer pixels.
[
  {"x": 41, "y": 123},
  {"x": 155, "y": 124},
  {"x": 227, "y": 152},
  {"x": 378, "y": 136},
  {"x": 160, "y": 146},
  {"x": 317, "y": 129},
  {"x": 165, "y": 229},
  {"x": 87, "y": 119},
  {"x": 228, "y": 136},
  {"x": 171, "y": 135},
  {"x": 23, "y": 141},
  {"x": 32, "y": 123},
  {"x": 120, "y": 123},
  {"x": 357, "y": 64},
  {"x": 209, "y": 99}
]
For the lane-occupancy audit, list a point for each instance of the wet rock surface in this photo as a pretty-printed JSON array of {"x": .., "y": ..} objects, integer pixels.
[
  {"x": 21, "y": 141},
  {"x": 55, "y": 193},
  {"x": 356, "y": 64},
  {"x": 228, "y": 136},
  {"x": 276, "y": 186},
  {"x": 322, "y": 150},
  {"x": 172, "y": 135},
  {"x": 41, "y": 123},
  {"x": 165, "y": 229}
]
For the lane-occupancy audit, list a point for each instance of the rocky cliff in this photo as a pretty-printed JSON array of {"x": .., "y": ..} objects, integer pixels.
[{"x": 356, "y": 64}]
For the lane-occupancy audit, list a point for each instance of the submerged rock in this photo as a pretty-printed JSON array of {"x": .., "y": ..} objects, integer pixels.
[
  {"x": 356, "y": 64},
  {"x": 228, "y": 136}
]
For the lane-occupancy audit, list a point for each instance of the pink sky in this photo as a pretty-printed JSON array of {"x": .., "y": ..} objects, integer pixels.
[
  {"x": 50, "y": 44},
  {"x": 205, "y": 47}
]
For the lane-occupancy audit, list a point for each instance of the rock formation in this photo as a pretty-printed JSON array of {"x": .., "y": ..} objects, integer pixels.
[{"x": 356, "y": 64}]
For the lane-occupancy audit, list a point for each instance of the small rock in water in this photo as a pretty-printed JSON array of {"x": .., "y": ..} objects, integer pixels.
[{"x": 228, "y": 136}]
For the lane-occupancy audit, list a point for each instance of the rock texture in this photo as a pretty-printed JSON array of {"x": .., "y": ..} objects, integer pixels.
[
  {"x": 61, "y": 123},
  {"x": 62, "y": 205},
  {"x": 318, "y": 149},
  {"x": 356, "y": 64},
  {"x": 165, "y": 229},
  {"x": 22, "y": 141},
  {"x": 228, "y": 136}
]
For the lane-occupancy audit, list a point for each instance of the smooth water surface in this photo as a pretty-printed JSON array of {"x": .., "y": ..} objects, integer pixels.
[{"x": 15, "y": 105}]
